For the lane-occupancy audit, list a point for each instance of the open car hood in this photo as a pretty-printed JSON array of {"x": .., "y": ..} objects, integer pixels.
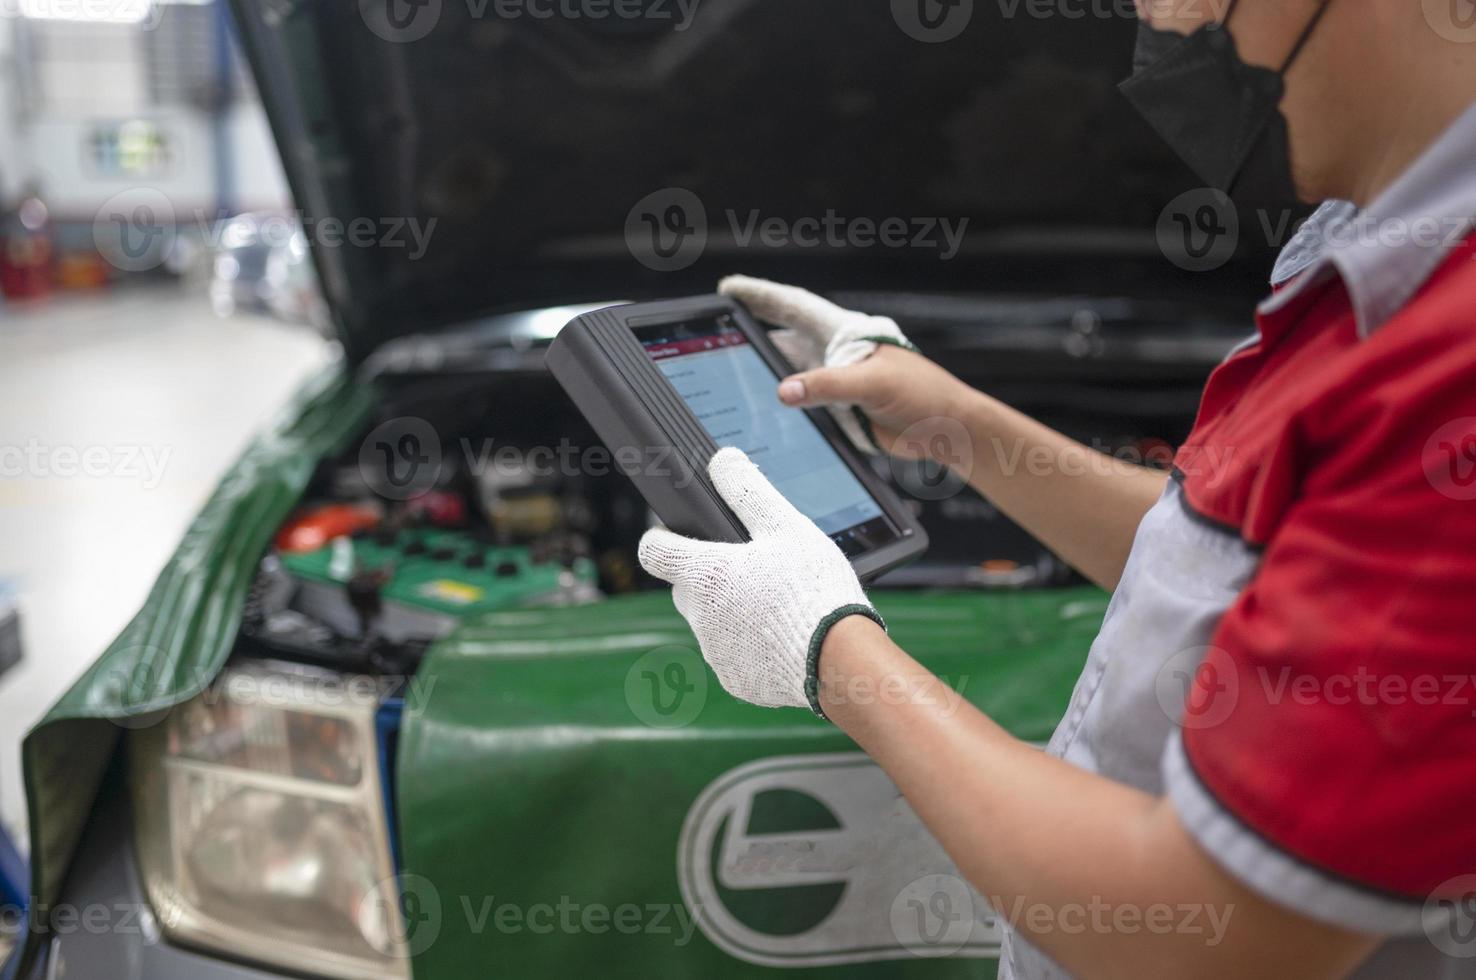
[{"x": 500, "y": 154}]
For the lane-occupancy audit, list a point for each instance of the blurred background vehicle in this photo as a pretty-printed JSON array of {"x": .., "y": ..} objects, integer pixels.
[{"x": 260, "y": 264}]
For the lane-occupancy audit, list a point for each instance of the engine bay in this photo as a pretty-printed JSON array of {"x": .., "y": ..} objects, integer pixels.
[{"x": 476, "y": 487}]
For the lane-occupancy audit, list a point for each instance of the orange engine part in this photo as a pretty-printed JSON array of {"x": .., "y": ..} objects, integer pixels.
[{"x": 314, "y": 529}]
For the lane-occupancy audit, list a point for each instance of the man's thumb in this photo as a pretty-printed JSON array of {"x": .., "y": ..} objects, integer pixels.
[{"x": 824, "y": 386}]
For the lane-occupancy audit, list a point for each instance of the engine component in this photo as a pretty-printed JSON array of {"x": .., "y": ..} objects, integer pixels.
[
  {"x": 418, "y": 582},
  {"x": 316, "y": 527}
]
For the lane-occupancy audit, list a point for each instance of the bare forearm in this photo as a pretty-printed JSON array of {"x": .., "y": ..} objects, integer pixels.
[
  {"x": 1079, "y": 863},
  {"x": 1085, "y": 505}
]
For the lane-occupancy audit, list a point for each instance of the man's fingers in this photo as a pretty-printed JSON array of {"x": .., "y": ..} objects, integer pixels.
[
  {"x": 786, "y": 306},
  {"x": 758, "y": 504},
  {"x": 838, "y": 389},
  {"x": 673, "y": 558},
  {"x": 827, "y": 386}
]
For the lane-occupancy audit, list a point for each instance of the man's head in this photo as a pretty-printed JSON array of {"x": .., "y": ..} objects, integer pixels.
[{"x": 1375, "y": 81}]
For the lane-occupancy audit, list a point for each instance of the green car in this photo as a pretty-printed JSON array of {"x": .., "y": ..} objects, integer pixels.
[{"x": 403, "y": 703}]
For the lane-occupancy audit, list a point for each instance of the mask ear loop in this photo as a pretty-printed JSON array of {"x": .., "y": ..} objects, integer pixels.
[{"x": 1305, "y": 37}]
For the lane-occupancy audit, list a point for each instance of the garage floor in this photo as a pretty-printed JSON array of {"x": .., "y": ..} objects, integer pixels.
[{"x": 117, "y": 415}]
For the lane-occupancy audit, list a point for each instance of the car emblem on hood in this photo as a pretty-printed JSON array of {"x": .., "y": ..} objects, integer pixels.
[{"x": 813, "y": 860}]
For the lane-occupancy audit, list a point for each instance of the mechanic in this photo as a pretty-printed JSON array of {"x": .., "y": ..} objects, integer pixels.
[{"x": 1306, "y": 574}]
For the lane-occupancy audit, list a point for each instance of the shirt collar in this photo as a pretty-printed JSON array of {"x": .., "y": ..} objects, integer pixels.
[{"x": 1386, "y": 252}]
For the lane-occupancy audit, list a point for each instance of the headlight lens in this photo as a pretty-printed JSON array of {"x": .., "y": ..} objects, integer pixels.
[{"x": 261, "y": 828}]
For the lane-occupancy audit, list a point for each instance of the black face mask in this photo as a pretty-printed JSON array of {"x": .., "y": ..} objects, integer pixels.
[{"x": 1221, "y": 115}]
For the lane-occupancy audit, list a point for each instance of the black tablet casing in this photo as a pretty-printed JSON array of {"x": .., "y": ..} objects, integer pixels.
[{"x": 656, "y": 440}]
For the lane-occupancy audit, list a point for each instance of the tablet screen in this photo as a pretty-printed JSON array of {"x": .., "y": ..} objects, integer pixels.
[{"x": 732, "y": 392}]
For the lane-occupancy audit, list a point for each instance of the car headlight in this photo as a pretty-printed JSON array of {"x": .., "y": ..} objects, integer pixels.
[{"x": 261, "y": 827}]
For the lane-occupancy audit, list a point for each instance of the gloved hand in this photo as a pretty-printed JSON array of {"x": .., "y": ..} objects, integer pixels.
[
  {"x": 760, "y": 609},
  {"x": 817, "y": 333}
]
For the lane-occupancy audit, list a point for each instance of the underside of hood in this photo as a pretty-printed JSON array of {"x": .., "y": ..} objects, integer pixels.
[{"x": 452, "y": 158}]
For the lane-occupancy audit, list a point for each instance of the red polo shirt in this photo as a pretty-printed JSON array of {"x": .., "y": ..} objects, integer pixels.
[{"x": 1351, "y": 656}]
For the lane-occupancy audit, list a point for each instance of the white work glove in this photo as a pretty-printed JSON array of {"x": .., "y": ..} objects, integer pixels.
[
  {"x": 761, "y": 609},
  {"x": 817, "y": 333}
]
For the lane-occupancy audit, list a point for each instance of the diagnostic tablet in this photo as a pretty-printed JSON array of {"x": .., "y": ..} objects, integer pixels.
[{"x": 665, "y": 385}]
